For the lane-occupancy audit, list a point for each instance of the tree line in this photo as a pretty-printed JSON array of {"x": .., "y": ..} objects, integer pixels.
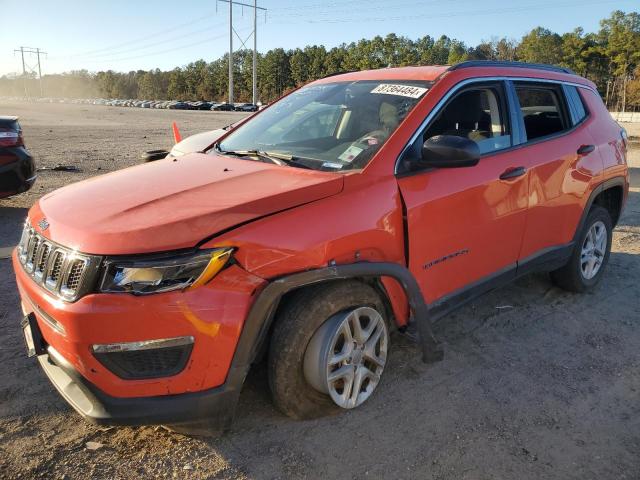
[{"x": 609, "y": 57}]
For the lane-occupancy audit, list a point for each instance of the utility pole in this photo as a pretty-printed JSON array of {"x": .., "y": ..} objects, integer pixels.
[
  {"x": 243, "y": 42},
  {"x": 35, "y": 51},
  {"x": 39, "y": 71},
  {"x": 24, "y": 72},
  {"x": 231, "y": 52},
  {"x": 624, "y": 93},
  {"x": 254, "y": 89}
]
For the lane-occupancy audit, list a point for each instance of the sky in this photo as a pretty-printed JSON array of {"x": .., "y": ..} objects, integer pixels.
[{"x": 131, "y": 35}]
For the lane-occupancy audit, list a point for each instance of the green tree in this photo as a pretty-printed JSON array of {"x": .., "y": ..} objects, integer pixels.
[{"x": 541, "y": 46}]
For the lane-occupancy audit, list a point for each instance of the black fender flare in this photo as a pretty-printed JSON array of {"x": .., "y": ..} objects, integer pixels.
[
  {"x": 261, "y": 313},
  {"x": 601, "y": 187}
]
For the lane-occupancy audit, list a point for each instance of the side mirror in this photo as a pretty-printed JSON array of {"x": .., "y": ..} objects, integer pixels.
[{"x": 449, "y": 151}]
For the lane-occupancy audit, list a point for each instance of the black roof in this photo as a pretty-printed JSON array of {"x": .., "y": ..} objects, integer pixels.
[{"x": 495, "y": 63}]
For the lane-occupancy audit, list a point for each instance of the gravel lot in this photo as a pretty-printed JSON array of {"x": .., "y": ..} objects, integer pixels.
[{"x": 536, "y": 382}]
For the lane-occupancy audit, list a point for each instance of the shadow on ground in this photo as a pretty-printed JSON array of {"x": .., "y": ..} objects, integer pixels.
[{"x": 11, "y": 221}]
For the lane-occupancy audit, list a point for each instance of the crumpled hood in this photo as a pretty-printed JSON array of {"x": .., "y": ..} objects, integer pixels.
[{"x": 173, "y": 204}]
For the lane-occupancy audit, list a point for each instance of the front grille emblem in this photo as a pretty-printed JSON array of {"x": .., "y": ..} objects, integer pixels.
[{"x": 43, "y": 224}]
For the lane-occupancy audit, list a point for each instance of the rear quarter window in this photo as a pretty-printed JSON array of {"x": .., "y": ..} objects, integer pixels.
[{"x": 576, "y": 104}]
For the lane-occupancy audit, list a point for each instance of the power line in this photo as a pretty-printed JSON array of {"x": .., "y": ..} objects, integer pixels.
[
  {"x": 173, "y": 49},
  {"x": 118, "y": 52},
  {"x": 139, "y": 39},
  {"x": 321, "y": 17}
]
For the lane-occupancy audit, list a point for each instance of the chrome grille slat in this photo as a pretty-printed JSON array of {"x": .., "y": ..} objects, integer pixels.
[
  {"x": 32, "y": 250},
  {"x": 53, "y": 276},
  {"x": 41, "y": 259},
  {"x": 58, "y": 269}
]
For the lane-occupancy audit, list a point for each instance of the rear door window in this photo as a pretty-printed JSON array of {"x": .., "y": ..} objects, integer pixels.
[{"x": 542, "y": 110}]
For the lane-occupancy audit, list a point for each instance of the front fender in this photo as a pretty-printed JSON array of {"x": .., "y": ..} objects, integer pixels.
[{"x": 262, "y": 312}]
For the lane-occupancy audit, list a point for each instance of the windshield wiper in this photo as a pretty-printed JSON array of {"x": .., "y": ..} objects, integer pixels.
[{"x": 273, "y": 157}]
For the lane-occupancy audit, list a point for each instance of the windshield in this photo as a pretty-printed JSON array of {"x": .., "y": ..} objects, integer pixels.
[{"x": 332, "y": 126}]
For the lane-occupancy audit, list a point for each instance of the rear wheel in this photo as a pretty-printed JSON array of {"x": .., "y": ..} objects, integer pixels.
[
  {"x": 328, "y": 349},
  {"x": 590, "y": 254}
]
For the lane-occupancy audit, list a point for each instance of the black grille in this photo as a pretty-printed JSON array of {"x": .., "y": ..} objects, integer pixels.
[
  {"x": 33, "y": 251},
  {"x": 75, "y": 274},
  {"x": 150, "y": 363},
  {"x": 46, "y": 249},
  {"x": 56, "y": 267}
]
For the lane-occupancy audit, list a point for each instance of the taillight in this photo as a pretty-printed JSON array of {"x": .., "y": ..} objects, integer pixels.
[{"x": 10, "y": 138}]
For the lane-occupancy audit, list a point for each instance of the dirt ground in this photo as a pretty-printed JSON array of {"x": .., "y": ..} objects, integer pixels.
[{"x": 536, "y": 383}]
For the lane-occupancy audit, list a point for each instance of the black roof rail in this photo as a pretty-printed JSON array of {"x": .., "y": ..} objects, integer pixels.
[{"x": 496, "y": 63}]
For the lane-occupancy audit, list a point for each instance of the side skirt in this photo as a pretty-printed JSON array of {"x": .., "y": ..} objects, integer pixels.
[{"x": 544, "y": 261}]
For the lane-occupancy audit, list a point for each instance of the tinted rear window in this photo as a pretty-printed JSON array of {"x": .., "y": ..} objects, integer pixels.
[
  {"x": 10, "y": 124},
  {"x": 541, "y": 111}
]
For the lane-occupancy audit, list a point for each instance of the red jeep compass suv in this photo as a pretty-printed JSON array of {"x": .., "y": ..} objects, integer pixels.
[{"x": 358, "y": 204}]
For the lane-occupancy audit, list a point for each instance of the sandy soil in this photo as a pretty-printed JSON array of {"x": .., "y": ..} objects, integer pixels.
[{"x": 536, "y": 382}]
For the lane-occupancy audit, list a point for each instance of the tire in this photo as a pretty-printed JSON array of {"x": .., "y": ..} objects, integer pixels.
[
  {"x": 572, "y": 276},
  {"x": 297, "y": 323},
  {"x": 153, "y": 155}
]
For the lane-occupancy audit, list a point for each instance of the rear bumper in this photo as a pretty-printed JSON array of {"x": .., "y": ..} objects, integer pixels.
[{"x": 216, "y": 405}]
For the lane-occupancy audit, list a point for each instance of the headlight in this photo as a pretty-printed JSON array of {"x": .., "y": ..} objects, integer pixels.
[{"x": 164, "y": 274}]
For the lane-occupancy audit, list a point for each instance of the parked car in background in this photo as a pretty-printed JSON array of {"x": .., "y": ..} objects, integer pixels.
[
  {"x": 17, "y": 168},
  {"x": 205, "y": 106},
  {"x": 179, "y": 106},
  {"x": 223, "y": 107},
  {"x": 359, "y": 204},
  {"x": 245, "y": 107},
  {"x": 196, "y": 143}
]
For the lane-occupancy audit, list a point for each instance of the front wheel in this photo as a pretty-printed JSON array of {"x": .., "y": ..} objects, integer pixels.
[
  {"x": 590, "y": 254},
  {"x": 328, "y": 349},
  {"x": 347, "y": 355}
]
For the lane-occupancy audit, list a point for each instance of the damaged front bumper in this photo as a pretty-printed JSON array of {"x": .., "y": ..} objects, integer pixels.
[{"x": 215, "y": 407}]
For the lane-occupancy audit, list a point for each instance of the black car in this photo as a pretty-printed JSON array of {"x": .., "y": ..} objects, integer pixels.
[
  {"x": 17, "y": 168},
  {"x": 180, "y": 106},
  {"x": 223, "y": 107}
]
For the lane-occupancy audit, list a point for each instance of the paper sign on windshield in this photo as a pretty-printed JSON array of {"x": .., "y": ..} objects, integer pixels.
[
  {"x": 401, "y": 90},
  {"x": 350, "y": 153}
]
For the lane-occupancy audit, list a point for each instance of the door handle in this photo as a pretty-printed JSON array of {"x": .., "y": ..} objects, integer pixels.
[
  {"x": 585, "y": 149},
  {"x": 514, "y": 172}
]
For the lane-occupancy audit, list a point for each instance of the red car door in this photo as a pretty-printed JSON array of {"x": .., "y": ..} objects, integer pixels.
[
  {"x": 562, "y": 160},
  {"x": 465, "y": 225}
]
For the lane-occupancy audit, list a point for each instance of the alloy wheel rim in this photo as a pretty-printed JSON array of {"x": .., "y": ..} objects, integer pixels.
[
  {"x": 593, "y": 251},
  {"x": 347, "y": 355}
]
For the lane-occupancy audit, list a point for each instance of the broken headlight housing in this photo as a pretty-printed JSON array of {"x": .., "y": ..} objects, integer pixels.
[{"x": 142, "y": 276}]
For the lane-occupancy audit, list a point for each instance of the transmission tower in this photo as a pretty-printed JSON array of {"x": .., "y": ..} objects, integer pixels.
[
  {"x": 31, "y": 68},
  {"x": 254, "y": 33}
]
